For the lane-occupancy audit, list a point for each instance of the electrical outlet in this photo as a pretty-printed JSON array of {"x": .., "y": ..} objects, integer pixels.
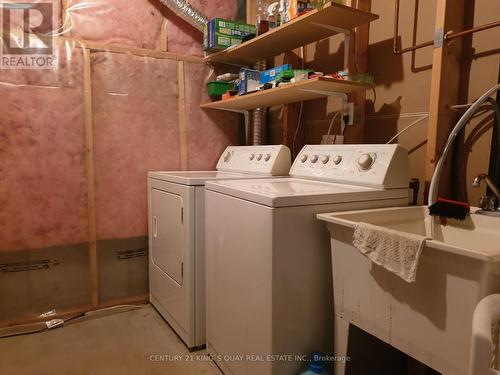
[{"x": 349, "y": 110}]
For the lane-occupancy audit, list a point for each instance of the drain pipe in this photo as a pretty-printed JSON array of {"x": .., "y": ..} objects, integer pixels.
[
  {"x": 259, "y": 116},
  {"x": 187, "y": 12},
  {"x": 258, "y": 126}
]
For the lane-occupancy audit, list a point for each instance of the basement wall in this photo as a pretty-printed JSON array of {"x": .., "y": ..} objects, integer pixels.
[
  {"x": 403, "y": 84},
  {"x": 76, "y": 144}
]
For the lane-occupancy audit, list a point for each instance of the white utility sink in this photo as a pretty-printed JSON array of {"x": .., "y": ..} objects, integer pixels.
[{"x": 431, "y": 319}]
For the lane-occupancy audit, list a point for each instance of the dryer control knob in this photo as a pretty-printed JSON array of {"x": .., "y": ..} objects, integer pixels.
[
  {"x": 314, "y": 158},
  {"x": 325, "y": 159},
  {"x": 227, "y": 156},
  {"x": 303, "y": 158},
  {"x": 267, "y": 157},
  {"x": 259, "y": 157},
  {"x": 366, "y": 161},
  {"x": 337, "y": 159},
  {"x": 251, "y": 156}
]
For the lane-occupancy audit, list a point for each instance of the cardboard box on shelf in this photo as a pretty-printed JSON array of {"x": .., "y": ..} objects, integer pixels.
[
  {"x": 221, "y": 33},
  {"x": 271, "y": 74},
  {"x": 249, "y": 81}
]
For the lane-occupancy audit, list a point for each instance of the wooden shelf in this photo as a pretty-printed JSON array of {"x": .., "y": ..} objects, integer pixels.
[
  {"x": 296, "y": 92},
  {"x": 311, "y": 27}
]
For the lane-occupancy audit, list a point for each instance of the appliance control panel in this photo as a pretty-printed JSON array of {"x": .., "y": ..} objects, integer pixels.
[
  {"x": 267, "y": 160},
  {"x": 383, "y": 166}
]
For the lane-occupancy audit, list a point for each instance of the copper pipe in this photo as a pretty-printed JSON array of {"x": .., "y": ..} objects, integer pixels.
[
  {"x": 395, "y": 48},
  {"x": 448, "y": 36},
  {"x": 458, "y": 34}
]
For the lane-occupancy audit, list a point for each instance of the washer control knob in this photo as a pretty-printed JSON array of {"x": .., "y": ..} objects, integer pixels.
[
  {"x": 325, "y": 159},
  {"x": 251, "y": 156},
  {"x": 267, "y": 157},
  {"x": 366, "y": 161},
  {"x": 337, "y": 159},
  {"x": 259, "y": 157},
  {"x": 227, "y": 156},
  {"x": 314, "y": 158},
  {"x": 303, "y": 158}
]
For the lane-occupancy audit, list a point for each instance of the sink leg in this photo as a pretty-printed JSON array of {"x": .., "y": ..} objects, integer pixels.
[{"x": 340, "y": 343}]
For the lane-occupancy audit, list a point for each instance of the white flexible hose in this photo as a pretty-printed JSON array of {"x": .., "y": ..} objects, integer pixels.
[{"x": 434, "y": 188}]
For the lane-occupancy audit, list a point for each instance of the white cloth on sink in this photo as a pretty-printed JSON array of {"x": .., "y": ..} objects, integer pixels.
[{"x": 398, "y": 252}]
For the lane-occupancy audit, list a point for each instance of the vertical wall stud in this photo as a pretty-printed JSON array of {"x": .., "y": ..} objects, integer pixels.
[
  {"x": 358, "y": 63},
  {"x": 445, "y": 82},
  {"x": 182, "y": 115},
  {"x": 164, "y": 35},
  {"x": 89, "y": 154}
]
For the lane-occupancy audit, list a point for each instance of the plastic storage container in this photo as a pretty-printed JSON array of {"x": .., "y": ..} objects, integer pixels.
[
  {"x": 217, "y": 89},
  {"x": 316, "y": 366}
]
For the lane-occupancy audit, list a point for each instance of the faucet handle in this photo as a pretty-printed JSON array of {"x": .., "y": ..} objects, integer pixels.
[{"x": 488, "y": 203}]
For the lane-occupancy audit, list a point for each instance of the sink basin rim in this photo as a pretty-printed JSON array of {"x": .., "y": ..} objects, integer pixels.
[{"x": 338, "y": 218}]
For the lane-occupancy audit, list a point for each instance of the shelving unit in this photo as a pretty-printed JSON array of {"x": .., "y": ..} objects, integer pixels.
[
  {"x": 313, "y": 26},
  {"x": 301, "y": 91}
]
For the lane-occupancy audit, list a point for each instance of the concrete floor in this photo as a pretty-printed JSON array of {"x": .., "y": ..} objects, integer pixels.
[{"x": 104, "y": 343}]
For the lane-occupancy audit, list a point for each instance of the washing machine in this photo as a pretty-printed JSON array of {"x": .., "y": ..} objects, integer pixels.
[
  {"x": 269, "y": 289},
  {"x": 177, "y": 233}
]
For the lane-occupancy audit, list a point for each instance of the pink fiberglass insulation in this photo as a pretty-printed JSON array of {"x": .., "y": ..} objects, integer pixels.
[
  {"x": 135, "y": 130},
  {"x": 135, "y": 23},
  {"x": 208, "y": 132},
  {"x": 45, "y": 16},
  {"x": 43, "y": 195},
  {"x": 184, "y": 38}
]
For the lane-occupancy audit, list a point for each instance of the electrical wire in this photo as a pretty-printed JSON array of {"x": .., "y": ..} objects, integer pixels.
[
  {"x": 297, "y": 129},
  {"x": 302, "y": 60},
  {"x": 337, "y": 114},
  {"x": 407, "y": 128}
]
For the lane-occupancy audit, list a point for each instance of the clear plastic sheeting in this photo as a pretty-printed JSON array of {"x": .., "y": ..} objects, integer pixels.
[
  {"x": 35, "y": 281},
  {"x": 43, "y": 195},
  {"x": 135, "y": 23},
  {"x": 136, "y": 114},
  {"x": 77, "y": 141}
]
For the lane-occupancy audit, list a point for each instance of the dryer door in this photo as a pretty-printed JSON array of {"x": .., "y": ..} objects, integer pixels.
[{"x": 167, "y": 233}]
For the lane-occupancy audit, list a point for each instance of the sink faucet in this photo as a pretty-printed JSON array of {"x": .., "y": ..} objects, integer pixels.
[{"x": 487, "y": 203}]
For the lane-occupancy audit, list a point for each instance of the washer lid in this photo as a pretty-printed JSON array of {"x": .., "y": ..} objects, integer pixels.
[
  {"x": 285, "y": 192},
  {"x": 198, "y": 178}
]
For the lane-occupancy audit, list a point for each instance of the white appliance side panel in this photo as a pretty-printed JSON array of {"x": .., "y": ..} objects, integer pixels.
[
  {"x": 303, "y": 293},
  {"x": 173, "y": 299},
  {"x": 269, "y": 281},
  {"x": 239, "y": 281},
  {"x": 199, "y": 267}
]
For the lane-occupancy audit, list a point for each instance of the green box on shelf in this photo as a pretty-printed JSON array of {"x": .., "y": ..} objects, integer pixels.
[
  {"x": 219, "y": 42},
  {"x": 232, "y": 28},
  {"x": 221, "y": 33},
  {"x": 217, "y": 89}
]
